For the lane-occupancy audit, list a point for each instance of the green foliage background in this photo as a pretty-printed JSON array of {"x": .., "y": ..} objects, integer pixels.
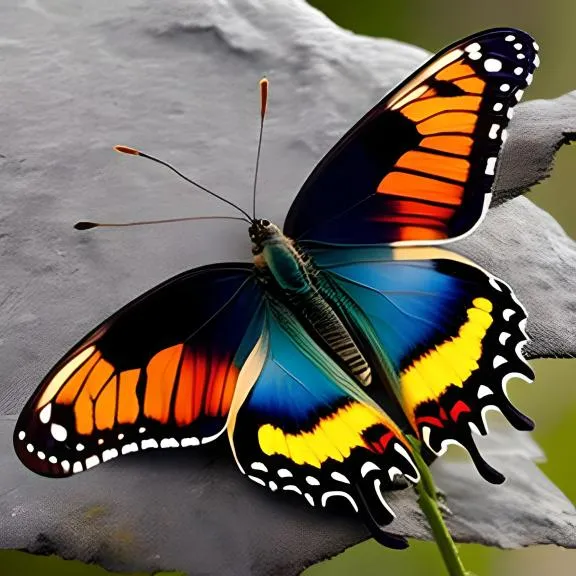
[{"x": 552, "y": 400}]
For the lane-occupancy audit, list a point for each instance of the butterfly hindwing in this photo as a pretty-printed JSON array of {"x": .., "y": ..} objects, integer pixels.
[
  {"x": 419, "y": 167},
  {"x": 304, "y": 427},
  {"x": 447, "y": 335},
  {"x": 159, "y": 373}
]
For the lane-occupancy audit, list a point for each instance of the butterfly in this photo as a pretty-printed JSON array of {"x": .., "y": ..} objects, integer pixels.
[{"x": 351, "y": 330}]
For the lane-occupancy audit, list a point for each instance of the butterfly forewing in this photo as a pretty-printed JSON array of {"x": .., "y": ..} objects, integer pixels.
[
  {"x": 160, "y": 373},
  {"x": 419, "y": 167}
]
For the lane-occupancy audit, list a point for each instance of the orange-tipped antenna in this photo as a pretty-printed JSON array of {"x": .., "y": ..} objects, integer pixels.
[
  {"x": 263, "y": 106},
  {"x": 90, "y": 225},
  {"x": 135, "y": 152},
  {"x": 263, "y": 97},
  {"x": 126, "y": 150}
]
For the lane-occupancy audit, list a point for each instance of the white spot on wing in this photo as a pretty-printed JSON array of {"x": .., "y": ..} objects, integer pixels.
[
  {"x": 510, "y": 113},
  {"x": 510, "y": 38},
  {"x": 498, "y": 361},
  {"x": 142, "y": 430},
  {"x": 65, "y": 465},
  {"x": 58, "y": 432},
  {"x": 340, "y": 477},
  {"x": 368, "y": 467},
  {"x": 79, "y": 447},
  {"x": 185, "y": 442},
  {"x": 377, "y": 485},
  {"x": 490, "y": 166},
  {"x": 53, "y": 460},
  {"x": 257, "y": 480},
  {"x": 149, "y": 443},
  {"x": 536, "y": 47},
  {"x": 475, "y": 47},
  {"x": 273, "y": 486},
  {"x": 41, "y": 455},
  {"x": 259, "y": 466},
  {"x": 503, "y": 337},
  {"x": 493, "y": 134},
  {"x": 309, "y": 499},
  {"x": 518, "y": 70},
  {"x": 393, "y": 472},
  {"x": 529, "y": 78},
  {"x": 504, "y": 87},
  {"x": 508, "y": 313},
  {"x": 327, "y": 495},
  {"x": 518, "y": 95},
  {"x": 30, "y": 448},
  {"x": 536, "y": 61},
  {"x": 504, "y": 137},
  {"x": 169, "y": 443},
  {"x": 492, "y": 65},
  {"x": 475, "y": 55},
  {"x": 45, "y": 413},
  {"x": 518, "y": 46},
  {"x": 284, "y": 473},
  {"x": 109, "y": 454},
  {"x": 21, "y": 435},
  {"x": 77, "y": 467},
  {"x": 498, "y": 106},
  {"x": 312, "y": 481},
  {"x": 493, "y": 281},
  {"x": 132, "y": 447},
  {"x": 403, "y": 452},
  {"x": 484, "y": 391},
  {"x": 520, "y": 56},
  {"x": 292, "y": 488},
  {"x": 92, "y": 461}
]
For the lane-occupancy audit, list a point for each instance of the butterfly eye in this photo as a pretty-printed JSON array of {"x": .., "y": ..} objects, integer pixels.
[{"x": 265, "y": 223}]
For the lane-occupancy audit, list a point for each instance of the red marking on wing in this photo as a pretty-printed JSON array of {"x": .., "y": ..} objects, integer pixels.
[{"x": 459, "y": 408}]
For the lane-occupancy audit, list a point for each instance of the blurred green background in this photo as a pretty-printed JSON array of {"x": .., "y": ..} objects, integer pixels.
[{"x": 552, "y": 401}]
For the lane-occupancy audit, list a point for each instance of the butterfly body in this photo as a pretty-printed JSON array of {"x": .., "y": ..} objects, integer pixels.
[
  {"x": 349, "y": 331},
  {"x": 290, "y": 274}
]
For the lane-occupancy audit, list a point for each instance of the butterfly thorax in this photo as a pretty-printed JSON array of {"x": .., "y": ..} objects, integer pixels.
[{"x": 294, "y": 281}]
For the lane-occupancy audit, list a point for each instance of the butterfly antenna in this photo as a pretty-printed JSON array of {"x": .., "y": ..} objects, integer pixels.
[
  {"x": 89, "y": 225},
  {"x": 135, "y": 152},
  {"x": 263, "y": 105}
]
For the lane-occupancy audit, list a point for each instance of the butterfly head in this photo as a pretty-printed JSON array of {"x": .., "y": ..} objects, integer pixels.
[{"x": 262, "y": 231}]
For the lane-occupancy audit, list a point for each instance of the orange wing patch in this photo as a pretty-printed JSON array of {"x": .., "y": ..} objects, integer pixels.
[
  {"x": 446, "y": 167},
  {"x": 180, "y": 384},
  {"x": 420, "y": 187},
  {"x": 429, "y": 181}
]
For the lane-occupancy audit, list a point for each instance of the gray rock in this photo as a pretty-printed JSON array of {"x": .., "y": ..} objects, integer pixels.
[{"x": 179, "y": 80}]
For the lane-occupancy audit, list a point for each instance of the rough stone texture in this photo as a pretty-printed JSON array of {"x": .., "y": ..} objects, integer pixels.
[{"x": 179, "y": 80}]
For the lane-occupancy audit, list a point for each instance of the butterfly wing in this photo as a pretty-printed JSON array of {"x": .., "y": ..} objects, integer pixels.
[
  {"x": 446, "y": 335},
  {"x": 161, "y": 372},
  {"x": 303, "y": 426},
  {"x": 418, "y": 168}
]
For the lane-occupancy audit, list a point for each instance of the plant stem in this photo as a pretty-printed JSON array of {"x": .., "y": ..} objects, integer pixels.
[{"x": 428, "y": 502}]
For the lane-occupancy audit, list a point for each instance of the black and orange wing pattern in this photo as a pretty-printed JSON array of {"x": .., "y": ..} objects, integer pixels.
[
  {"x": 419, "y": 167},
  {"x": 159, "y": 373}
]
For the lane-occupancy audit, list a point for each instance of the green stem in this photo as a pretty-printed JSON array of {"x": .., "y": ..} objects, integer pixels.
[{"x": 428, "y": 502}]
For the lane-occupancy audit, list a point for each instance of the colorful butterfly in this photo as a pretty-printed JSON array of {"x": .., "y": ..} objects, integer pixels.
[{"x": 347, "y": 333}]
